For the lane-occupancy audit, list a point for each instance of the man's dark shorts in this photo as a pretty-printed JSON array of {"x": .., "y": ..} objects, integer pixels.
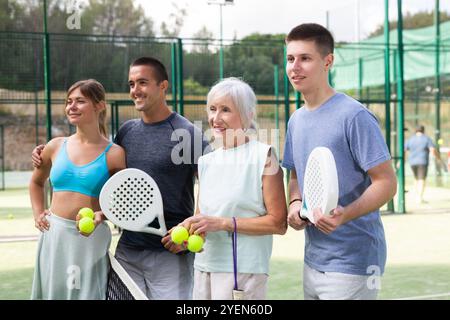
[{"x": 420, "y": 171}]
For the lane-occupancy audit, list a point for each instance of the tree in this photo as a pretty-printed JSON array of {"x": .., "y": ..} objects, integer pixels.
[
  {"x": 27, "y": 16},
  {"x": 107, "y": 17},
  {"x": 203, "y": 35},
  {"x": 412, "y": 21},
  {"x": 176, "y": 22},
  {"x": 117, "y": 17},
  {"x": 256, "y": 70},
  {"x": 9, "y": 11},
  {"x": 192, "y": 87},
  {"x": 257, "y": 44}
]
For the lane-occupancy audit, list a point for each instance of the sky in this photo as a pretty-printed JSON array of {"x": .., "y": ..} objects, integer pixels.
[{"x": 279, "y": 16}]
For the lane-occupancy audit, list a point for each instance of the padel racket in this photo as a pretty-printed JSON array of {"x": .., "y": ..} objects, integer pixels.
[
  {"x": 131, "y": 200},
  {"x": 320, "y": 183}
]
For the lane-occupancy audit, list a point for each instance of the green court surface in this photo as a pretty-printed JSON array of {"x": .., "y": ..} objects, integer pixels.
[
  {"x": 399, "y": 281},
  {"x": 418, "y": 262}
]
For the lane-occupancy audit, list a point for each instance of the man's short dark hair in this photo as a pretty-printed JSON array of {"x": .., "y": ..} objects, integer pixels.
[
  {"x": 156, "y": 65},
  {"x": 321, "y": 36}
]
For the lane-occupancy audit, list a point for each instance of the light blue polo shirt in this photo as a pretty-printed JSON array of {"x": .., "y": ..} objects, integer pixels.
[{"x": 419, "y": 148}]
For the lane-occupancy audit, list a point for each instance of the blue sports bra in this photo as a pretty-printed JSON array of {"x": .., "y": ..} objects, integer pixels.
[{"x": 87, "y": 179}]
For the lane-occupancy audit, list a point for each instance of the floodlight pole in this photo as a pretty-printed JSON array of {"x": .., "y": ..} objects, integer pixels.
[{"x": 221, "y": 4}]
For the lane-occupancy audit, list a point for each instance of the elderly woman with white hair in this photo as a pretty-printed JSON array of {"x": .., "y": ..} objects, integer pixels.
[{"x": 241, "y": 201}]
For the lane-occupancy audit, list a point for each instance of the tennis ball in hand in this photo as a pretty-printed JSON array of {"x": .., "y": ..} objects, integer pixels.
[
  {"x": 195, "y": 243},
  {"x": 86, "y": 225},
  {"x": 179, "y": 234},
  {"x": 86, "y": 212}
]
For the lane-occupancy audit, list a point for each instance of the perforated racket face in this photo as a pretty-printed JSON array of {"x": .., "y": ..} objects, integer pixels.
[
  {"x": 131, "y": 199},
  {"x": 314, "y": 184},
  {"x": 320, "y": 184}
]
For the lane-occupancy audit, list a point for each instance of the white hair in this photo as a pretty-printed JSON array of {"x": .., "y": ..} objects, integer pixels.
[{"x": 241, "y": 94}]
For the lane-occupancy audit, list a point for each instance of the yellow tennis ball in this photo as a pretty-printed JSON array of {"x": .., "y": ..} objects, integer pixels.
[
  {"x": 86, "y": 212},
  {"x": 440, "y": 141},
  {"x": 86, "y": 225},
  {"x": 10, "y": 216},
  {"x": 179, "y": 234},
  {"x": 195, "y": 243}
]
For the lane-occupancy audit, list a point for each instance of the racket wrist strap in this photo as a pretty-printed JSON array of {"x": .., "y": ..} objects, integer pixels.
[
  {"x": 234, "y": 244},
  {"x": 293, "y": 200}
]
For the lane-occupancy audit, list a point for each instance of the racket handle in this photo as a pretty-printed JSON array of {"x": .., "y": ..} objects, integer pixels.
[
  {"x": 162, "y": 231},
  {"x": 303, "y": 214},
  {"x": 301, "y": 217}
]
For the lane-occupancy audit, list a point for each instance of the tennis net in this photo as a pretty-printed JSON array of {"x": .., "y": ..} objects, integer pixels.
[{"x": 120, "y": 285}]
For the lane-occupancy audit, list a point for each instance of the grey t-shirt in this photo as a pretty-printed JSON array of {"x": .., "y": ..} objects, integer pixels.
[
  {"x": 168, "y": 151},
  {"x": 353, "y": 135}
]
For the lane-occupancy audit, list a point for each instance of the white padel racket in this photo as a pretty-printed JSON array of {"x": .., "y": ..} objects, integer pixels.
[
  {"x": 131, "y": 200},
  {"x": 320, "y": 183}
]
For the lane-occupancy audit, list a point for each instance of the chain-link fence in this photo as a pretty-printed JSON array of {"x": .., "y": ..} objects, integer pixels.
[{"x": 366, "y": 67}]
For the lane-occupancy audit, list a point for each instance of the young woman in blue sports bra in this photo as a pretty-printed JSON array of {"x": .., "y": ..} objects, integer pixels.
[{"x": 70, "y": 265}]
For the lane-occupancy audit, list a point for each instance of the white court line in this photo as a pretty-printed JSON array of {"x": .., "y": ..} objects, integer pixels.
[{"x": 426, "y": 297}]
